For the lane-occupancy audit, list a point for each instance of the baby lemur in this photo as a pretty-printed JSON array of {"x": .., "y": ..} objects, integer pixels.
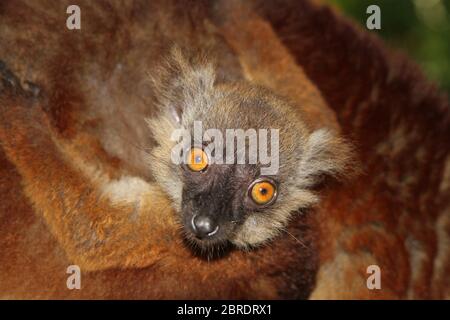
[{"x": 230, "y": 201}]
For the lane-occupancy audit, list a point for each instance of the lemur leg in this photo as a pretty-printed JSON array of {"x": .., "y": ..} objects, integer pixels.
[
  {"x": 266, "y": 61},
  {"x": 95, "y": 232}
]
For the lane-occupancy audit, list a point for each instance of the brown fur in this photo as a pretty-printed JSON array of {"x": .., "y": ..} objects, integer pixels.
[{"x": 64, "y": 151}]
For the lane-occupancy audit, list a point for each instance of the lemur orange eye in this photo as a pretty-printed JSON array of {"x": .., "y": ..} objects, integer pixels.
[
  {"x": 263, "y": 192},
  {"x": 197, "y": 160}
]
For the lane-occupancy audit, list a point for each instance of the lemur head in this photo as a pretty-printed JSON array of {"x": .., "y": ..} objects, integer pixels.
[{"x": 243, "y": 199}]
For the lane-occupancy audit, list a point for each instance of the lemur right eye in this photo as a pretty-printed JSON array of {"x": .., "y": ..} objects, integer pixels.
[
  {"x": 197, "y": 160},
  {"x": 263, "y": 192}
]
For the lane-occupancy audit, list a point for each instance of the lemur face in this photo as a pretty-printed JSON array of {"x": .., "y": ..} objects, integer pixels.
[
  {"x": 224, "y": 192},
  {"x": 226, "y": 179}
]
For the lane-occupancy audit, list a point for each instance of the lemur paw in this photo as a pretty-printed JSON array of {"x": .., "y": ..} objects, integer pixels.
[{"x": 10, "y": 83}]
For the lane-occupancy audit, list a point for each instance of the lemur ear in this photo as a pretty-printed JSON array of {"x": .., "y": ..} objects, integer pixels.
[
  {"x": 325, "y": 154},
  {"x": 183, "y": 80}
]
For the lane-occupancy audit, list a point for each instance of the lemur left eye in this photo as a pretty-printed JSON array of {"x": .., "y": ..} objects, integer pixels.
[
  {"x": 197, "y": 160},
  {"x": 263, "y": 192}
]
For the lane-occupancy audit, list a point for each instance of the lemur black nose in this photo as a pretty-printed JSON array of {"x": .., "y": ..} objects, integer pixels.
[{"x": 204, "y": 226}]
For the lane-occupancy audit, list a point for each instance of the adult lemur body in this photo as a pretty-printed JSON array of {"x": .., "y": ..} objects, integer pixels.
[{"x": 87, "y": 181}]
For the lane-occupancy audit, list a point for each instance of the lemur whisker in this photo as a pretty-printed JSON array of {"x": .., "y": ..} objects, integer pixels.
[{"x": 296, "y": 239}]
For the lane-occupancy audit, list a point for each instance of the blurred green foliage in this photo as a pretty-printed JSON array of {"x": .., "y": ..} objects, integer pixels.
[{"x": 419, "y": 27}]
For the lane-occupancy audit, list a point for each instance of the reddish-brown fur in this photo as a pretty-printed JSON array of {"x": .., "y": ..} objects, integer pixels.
[{"x": 381, "y": 100}]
